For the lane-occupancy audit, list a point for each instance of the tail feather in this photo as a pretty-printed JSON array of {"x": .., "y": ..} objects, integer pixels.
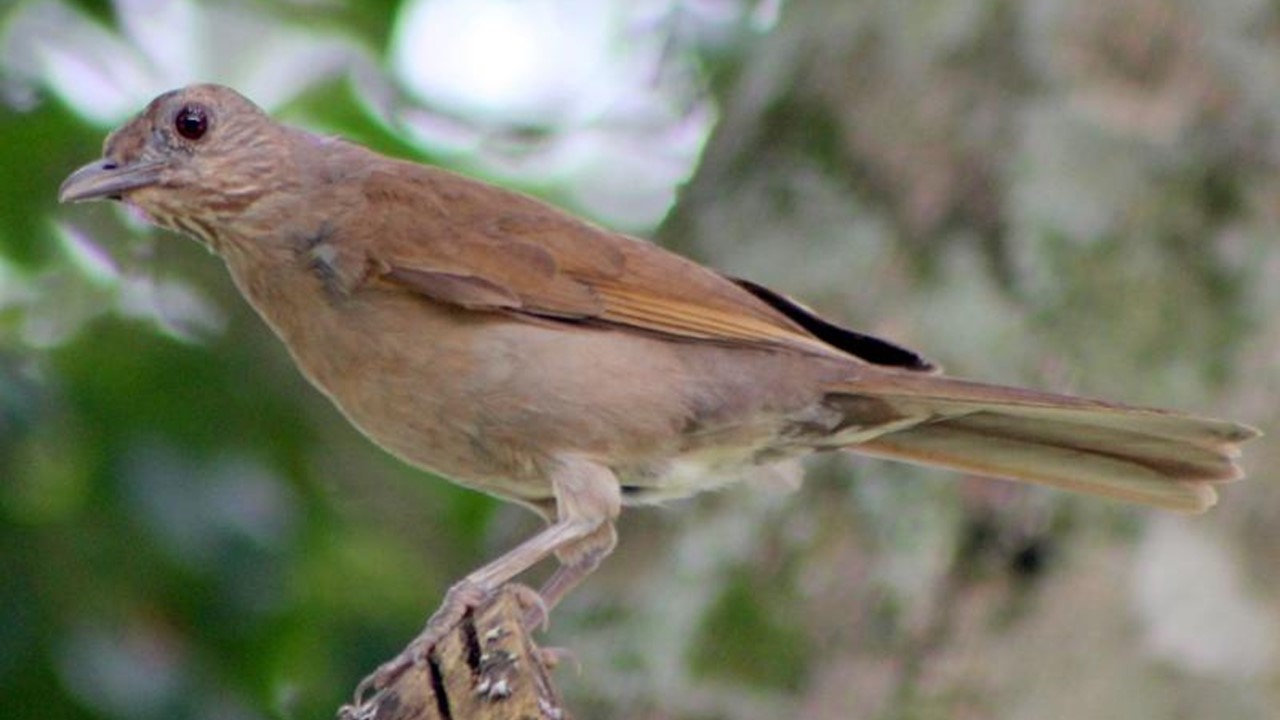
[{"x": 1138, "y": 455}]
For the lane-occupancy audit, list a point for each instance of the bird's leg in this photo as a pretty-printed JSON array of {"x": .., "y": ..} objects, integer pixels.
[
  {"x": 577, "y": 561},
  {"x": 588, "y": 500}
]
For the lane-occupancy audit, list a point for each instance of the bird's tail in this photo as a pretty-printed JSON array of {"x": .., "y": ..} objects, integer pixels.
[{"x": 1138, "y": 455}]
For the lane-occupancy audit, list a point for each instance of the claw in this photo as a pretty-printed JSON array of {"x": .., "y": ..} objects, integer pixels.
[
  {"x": 461, "y": 599},
  {"x": 537, "y": 616}
]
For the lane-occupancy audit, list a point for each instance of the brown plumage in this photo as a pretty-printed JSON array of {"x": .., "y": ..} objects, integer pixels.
[{"x": 524, "y": 352}]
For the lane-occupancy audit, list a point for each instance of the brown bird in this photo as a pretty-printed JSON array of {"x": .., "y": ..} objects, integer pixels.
[{"x": 520, "y": 351}]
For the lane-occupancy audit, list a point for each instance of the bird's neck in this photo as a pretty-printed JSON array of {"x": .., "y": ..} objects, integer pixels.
[{"x": 280, "y": 238}]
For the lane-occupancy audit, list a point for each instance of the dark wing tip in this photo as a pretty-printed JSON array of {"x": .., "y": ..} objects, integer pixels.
[{"x": 864, "y": 347}]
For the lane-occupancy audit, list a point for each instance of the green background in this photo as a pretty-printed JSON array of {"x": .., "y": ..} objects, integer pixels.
[{"x": 1077, "y": 196}]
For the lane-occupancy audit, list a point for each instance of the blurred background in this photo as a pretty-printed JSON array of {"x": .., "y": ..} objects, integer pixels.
[{"x": 1077, "y": 196}]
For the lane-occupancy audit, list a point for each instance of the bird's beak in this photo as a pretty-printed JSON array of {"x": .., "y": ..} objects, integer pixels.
[{"x": 106, "y": 179}]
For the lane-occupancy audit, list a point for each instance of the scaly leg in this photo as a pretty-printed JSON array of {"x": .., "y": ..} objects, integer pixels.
[
  {"x": 577, "y": 561},
  {"x": 588, "y": 500}
]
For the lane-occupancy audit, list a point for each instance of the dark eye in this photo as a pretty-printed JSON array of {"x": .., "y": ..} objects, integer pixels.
[{"x": 191, "y": 122}]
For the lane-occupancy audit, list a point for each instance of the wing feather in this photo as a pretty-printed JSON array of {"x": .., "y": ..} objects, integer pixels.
[{"x": 459, "y": 241}]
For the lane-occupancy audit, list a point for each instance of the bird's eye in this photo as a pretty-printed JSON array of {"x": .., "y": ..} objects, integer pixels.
[{"x": 191, "y": 122}]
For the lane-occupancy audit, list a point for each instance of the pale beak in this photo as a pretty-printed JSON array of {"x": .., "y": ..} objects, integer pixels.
[{"x": 106, "y": 180}]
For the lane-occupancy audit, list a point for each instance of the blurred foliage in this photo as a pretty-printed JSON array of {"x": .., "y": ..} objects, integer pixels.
[
  {"x": 169, "y": 539},
  {"x": 742, "y": 644},
  {"x": 1077, "y": 196},
  {"x": 333, "y": 106},
  {"x": 59, "y": 138}
]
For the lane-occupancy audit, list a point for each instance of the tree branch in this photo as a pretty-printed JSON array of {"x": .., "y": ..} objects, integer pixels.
[{"x": 486, "y": 668}]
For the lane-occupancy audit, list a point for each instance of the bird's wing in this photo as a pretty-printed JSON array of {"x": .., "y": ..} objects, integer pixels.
[{"x": 463, "y": 242}]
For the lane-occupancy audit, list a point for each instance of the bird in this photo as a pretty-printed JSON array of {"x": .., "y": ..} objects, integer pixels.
[{"x": 523, "y": 352}]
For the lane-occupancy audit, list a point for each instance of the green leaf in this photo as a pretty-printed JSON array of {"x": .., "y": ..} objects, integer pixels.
[
  {"x": 38, "y": 149},
  {"x": 102, "y": 11}
]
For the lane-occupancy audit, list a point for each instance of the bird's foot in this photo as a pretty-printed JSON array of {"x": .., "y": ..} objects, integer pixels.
[
  {"x": 461, "y": 599},
  {"x": 537, "y": 616}
]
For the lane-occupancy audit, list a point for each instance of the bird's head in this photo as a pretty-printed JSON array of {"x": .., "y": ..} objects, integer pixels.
[{"x": 194, "y": 160}]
